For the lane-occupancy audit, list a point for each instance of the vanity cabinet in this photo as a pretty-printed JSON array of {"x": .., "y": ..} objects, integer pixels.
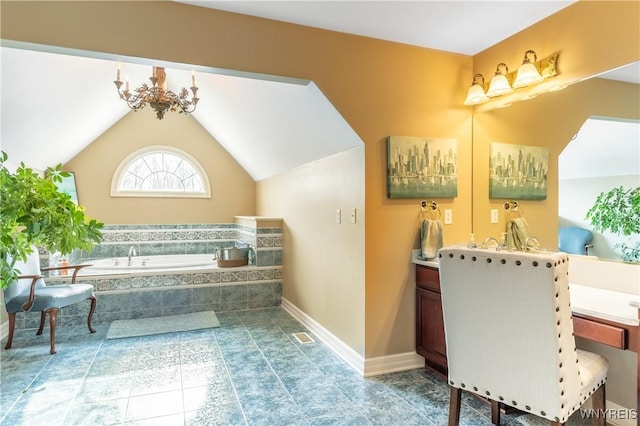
[{"x": 430, "y": 340}]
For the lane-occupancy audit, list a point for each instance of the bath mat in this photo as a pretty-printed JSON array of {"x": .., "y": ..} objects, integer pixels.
[{"x": 159, "y": 325}]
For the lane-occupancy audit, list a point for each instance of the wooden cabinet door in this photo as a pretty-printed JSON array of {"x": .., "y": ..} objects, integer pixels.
[{"x": 430, "y": 341}]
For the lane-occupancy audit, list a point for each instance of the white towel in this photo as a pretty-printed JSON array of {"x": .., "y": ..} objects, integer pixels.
[{"x": 430, "y": 239}]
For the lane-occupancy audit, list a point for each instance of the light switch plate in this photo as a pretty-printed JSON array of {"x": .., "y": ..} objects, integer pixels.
[
  {"x": 494, "y": 215},
  {"x": 448, "y": 216},
  {"x": 338, "y": 216},
  {"x": 353, "y": 215}
]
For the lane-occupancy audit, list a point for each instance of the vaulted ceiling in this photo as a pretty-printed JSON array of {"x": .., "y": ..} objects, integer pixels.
[{"x": 237, "y": 110}]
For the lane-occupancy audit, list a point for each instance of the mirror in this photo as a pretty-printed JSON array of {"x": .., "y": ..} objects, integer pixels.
[
  {"x": 603, "y": 155},
  {"x": 551, "y": 120}
]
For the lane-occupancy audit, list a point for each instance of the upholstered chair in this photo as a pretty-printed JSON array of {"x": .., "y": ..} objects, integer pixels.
[
  {"x": 574, "y": 240},
  {"x": 509, "y": 334},
  {"x": 30, "y": 293}
]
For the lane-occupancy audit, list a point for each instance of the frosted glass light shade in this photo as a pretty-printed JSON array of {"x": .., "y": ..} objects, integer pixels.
[
  {"x": 476, "y": 95},
  {"x": 527, "y": 74},
  {"x": 499, "y": 86}
]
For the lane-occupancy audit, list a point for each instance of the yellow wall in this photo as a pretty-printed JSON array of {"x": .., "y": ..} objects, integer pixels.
[
  {"x": 233, "y": 191},
  {"x": 380, "y": 88}
]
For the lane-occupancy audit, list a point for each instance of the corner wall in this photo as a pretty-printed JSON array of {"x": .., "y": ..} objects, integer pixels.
[{"x": 323, "y": 260}]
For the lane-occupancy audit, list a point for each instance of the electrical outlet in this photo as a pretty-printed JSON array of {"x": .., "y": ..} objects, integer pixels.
[
  {"x": 448, "y": 216},
  {"x": 494, "y": 215},
  {"x": 353, "y": 215},
  {"x": 338, "y": 216}
]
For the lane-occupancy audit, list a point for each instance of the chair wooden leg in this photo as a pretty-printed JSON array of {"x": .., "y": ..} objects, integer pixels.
[
  {"x": 495, "y": 412},
  {"x": 598, "y": 402},
  {"x": 94, "y": 301},
  {"x": 53, "y": 318},
  {"x": 43, "y": 314},
  {"x": 455, "y": 398},
  {"x": 12, "y": 326}
]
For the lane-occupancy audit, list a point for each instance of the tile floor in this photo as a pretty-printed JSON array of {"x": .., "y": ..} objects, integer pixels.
[{"x": 249, "y": 371}]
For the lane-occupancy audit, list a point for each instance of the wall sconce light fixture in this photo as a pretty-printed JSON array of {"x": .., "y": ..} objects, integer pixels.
[{"x": 530, "y": 73}]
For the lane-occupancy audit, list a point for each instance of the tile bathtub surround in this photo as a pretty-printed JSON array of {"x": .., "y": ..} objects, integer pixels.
[
  {"x": 150, "y": 240},
  {"x": 249, "y": 371},
  {"x": 143, "y": 296},
  {"x": 171, "y": 293}
]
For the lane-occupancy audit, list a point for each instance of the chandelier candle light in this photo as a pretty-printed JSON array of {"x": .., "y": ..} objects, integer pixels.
[{"x": 157, "y": 95}]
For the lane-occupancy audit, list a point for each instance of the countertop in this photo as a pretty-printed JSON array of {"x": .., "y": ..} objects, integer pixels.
[
  {"x": 606, "y": 304},
  {"x": 592, "y": 301},
  {"x": 431, "y": 263}
]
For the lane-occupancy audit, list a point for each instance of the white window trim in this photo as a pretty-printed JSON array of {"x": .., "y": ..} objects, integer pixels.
[{"x": 122, "y": 167}]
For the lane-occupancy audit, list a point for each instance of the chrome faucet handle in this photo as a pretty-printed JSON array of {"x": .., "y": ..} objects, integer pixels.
[{"x": 485, "y": 243}]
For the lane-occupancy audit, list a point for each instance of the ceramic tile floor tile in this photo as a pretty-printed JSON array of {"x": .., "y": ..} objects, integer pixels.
[{"x": 249, "y": 371}]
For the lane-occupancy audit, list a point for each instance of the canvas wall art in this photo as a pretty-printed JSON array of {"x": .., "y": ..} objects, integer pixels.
[
  {"x": 518, "y": 171},
  {"x": 420, "y": 167}
]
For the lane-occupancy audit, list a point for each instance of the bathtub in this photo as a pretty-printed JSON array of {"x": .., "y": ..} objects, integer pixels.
[{"x": 148, "y": 264}]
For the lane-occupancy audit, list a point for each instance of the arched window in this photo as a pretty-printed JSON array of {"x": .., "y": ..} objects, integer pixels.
[{"x": 160, "y": 171}]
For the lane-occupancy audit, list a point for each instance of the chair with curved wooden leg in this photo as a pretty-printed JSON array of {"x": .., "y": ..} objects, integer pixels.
[
  {"x": 509, "y": 335},
  {"x": 30, "y": 293}
]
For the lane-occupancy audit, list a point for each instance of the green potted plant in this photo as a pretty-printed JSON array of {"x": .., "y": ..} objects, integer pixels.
[
  {"x": 34, "y": 213},
  {"x": 618, "y": 211}
]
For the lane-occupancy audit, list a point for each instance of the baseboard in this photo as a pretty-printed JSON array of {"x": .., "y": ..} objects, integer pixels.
[
  {"x": 392, "y": 363},
  {"x": 620, "y": 409},
  {"x": 365, "y": 367},
  {"x": 351, "y": 357}
]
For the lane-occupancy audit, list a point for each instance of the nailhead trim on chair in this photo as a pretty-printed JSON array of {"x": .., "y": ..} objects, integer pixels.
[
  {"x": 503, "y": 261},
  {"x": 535, "y": 263}
]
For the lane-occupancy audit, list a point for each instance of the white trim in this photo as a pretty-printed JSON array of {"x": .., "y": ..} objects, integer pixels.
[
  {"x": 392, "y": 363},
  {"x": 351, "y": 357},
  {"x": 365, "y": 367},
  {"x": 612, "y": 406}
]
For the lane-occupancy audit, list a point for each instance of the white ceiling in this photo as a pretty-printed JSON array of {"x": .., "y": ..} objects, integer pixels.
[
  {"x": 269, "y": 125},
  {"x": 466, "y": 27}
]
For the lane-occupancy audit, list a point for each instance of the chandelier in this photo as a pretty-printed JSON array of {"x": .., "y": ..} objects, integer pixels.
[{"x": 157, "y": 95}]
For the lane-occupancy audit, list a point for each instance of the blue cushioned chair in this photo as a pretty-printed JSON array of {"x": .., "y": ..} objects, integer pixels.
[
  {"x": 574, "y": 240},
  {"x": 30, "y": 293}
]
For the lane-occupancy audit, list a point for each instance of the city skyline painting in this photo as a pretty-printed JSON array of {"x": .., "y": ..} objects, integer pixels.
[
  {"x": 518, "y": 172},
  {"x": 419, "y": 167}
]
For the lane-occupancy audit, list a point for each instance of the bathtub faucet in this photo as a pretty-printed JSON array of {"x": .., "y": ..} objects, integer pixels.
[{"x": 132, "y": 252}]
